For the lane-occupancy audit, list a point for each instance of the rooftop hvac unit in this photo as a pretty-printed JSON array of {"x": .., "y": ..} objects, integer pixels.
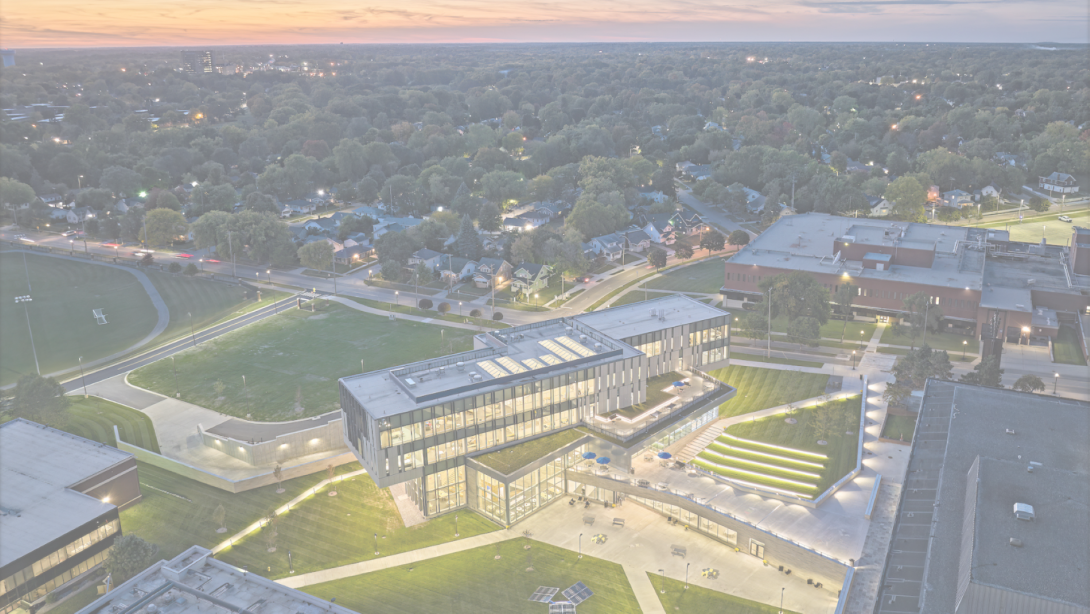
[
  {"x": 1023, "y": 511},
  {"x": 477, "y": 377},
  {"x": 442, "y": 371},
  {"x": 461, "y": 366},
  {"x": 597, "y": 347},
  {"x": 582, "y": 337},
  {"x": 410, "y": 382},
  {"x": 1017, "y": 543}
]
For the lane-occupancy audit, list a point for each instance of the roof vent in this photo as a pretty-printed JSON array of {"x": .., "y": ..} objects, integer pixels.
[
  {"x": 597, "y": 347},
  {"x": 1017, "y": 543},
  {"x": 1010, "y": 431},
  {"x": 582, "y": 337},
  {"x": 461, "y": 366},
  {"x": 410, "y": 382},
  {"x": 1023, "y": 511},
  {"x": 442, "y": 371}
]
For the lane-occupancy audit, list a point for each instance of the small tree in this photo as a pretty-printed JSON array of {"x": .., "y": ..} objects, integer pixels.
[
  {"x": 804, "y": 331},
  {"x": 174, "y": 267},
  {"x": 738, "y": 237},
  {"x": 425, "y": 303},
  {"x": 190, "y": 269},
  {"x": 332, "y": 485},
  {"x": 896, "y": 393},
  {"x": 1029, "y": 383},
  {"x": 712, "y": 241},
  {"x": 657, "y": 257},
  {"x": 147, "y": 260},
  {"x": 317, "y": 255},
  {"x": 278, "y": 473},
  {"x": 40, "y": 399},
  {"x": 129, "y": 555},
  {"x": 682, "y": 249},
  {"x": 218, "y": 387},
  {"x": 443, "y": 308},
  {"x": 475, "y": 313},
  {"x": 497, "y": 316},
  {"x": 986, "y": 373},
  {"x": 391, "y": 270},
  {"x": 219, "y": 516}
]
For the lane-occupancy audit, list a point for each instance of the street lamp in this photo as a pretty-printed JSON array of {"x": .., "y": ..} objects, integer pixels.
[
  {"x": 173, "y": 365},
  {"x": 964, "y": 343},
  {"x": 202, "y": 265},
  {"x": 860, "y": 341},
  {"x": 494, "y": 282},
  {"x": 24, "y": 300},
  {"x": 580, "y": 545},
  {"x": 79, "y": 182},
  {"x": 853, "y": 360},
  {"x": 536, "y": 295},
  {"x": 82, "y": 378},
  {"x": 1055, "y": 381},
  {"x": 686, "y": 576},
  {"x": 781, "y": 598},
  {"x": 192, "y": 334},
  {"x": 397, "y": 297},
  {"x": 459, "y": 308},
  {"x": 663, "y": 589},
  {"x": 71, "y": 246}
]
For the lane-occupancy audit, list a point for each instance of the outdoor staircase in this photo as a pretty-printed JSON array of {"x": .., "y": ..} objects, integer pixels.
[{"x": 696, "y": 446}]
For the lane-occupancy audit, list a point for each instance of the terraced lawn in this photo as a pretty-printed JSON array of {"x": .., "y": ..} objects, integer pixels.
[
  {"x": 94, "y": 418},
  {"x": 771, "y": 452},
  {"x": 763, "y": 388},
  {"x": 486, "y": 580}
]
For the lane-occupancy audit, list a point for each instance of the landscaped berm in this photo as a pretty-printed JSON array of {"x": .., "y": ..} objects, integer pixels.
[{"x": 782, "y": 451}]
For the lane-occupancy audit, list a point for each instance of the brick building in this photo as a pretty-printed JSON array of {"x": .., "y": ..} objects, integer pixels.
[{"x": 976, "y": 275}]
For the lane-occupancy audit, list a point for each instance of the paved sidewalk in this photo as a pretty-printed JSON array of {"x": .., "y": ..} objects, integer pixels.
[
  {"x": 644, "y": 590},
  {"x": 402, "y": 316},
  {"x": 395, "y": 560},
  {"x": 118, "y": 390}
]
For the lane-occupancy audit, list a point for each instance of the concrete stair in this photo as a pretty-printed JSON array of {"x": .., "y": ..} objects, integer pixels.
[{"x": 696, "y": 446}]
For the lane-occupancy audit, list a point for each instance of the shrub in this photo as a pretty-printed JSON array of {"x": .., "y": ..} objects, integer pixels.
[
  {"x": 190, "y": 269},
  {"x": 497, "y": 316},
  {"x": 443, "y": 308},
  {"x": 476, "y": 313},
  {"x": 425, "y": 303},
  {"x": 174, "y": 267}
]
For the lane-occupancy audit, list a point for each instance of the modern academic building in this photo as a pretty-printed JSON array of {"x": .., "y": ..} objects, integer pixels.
[
  {"x": 980, "y": 279},
  {"x": 418, "y": 423},
  {"x": 59, "y": 500}
]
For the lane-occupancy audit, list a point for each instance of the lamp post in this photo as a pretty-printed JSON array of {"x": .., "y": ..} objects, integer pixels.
[
  {"x": 376, "y": 544},
  {"x": 202, "y": 265},
  {"x": 79, "y": 182},
  {"x": 536, "y": 302},
  {"x": 71, "y": 246},
  {"x": 853, "y": 360},
  {"x": 663, "y": 589},
  {"x": 397, "y": 297},
  {"x": 82, "y": 378},
  {"x": 686, "y": 576},
  {"x": 580, "y": 545},
  {"x": 192, "y": 334},
  {"x": 24, "y": 300},
  {"x": 1055, "y": 382},
  {"x": 781, "y": 598},
  {"x": 494, "y": 282},
  {"x": 174, "y": 366},
  {"x": 459, "y": 308},
  {"x": 860, "y": 341},
  {"x": 964, "y": 344}
]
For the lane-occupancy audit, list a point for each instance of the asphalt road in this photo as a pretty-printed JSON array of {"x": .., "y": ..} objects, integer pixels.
[{"x": 173, "y": 347}]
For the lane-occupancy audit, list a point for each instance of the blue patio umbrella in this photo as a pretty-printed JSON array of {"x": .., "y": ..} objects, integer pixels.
[
  {"x": 665, "y": 455},
  {"x": 679, "y": 384},
  {"x": 602, "y": 460},
  {"x": 589, "y": 455}
]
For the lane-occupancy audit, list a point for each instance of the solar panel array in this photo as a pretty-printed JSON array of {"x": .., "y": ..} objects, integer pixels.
[
  {"x": 533, "y": 364},
  {"x": 562, "y": 607},
  {"x": 491, "y": 368},
  {"x": 578, "y": 593},
  {"x": 575, "y": 346},
  {"x": 555, "y": 348},
  {"x": 544, "y": 594},
  {"x": 511, "y": 365}
]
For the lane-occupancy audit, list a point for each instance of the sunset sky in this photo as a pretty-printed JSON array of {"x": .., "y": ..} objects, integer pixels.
[{"x": 113, "y": 23}]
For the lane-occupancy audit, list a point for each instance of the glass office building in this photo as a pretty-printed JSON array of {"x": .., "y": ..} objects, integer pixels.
[{"x": 418, "y": 423}]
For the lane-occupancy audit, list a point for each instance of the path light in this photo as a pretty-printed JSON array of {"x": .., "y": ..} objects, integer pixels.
[{"x": 1055, "y": 382}]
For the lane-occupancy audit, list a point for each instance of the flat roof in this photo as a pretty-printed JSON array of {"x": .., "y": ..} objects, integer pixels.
[
  {"x": 195, "y": 583},
  {"x": 1008, "y": 299},
  {"x": 509, "y": 357},
  {"x": 1050, "y": 563},
  {"x": 38, "y": 464},
  {"x": 635, "y": 318},
  {"x": 1052, "y": 431}
]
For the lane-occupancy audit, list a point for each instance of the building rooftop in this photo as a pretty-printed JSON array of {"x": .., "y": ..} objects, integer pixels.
[
  {"x": 194, "y": 582},
  {"x": 38, "y": 464},
  {"x": 636, "y": 318},
  {"x": 509, "y": 356},
  {"x": 1052, "y": 431}
]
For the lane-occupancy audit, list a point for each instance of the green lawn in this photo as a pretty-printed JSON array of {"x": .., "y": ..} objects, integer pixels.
[
  {"x": 94, "y": 418},
  {"x": 176, "y": 512},
  {"x": 208, "y": 301},
  {"x": 763, "y": 388},
  {"x": 324, "y": 531},
  {"x": 700, "y": 600},
  {"x": 790, "y": 466},
  {"x": 451, "y": 316},
  {"x": 64, "y": 293},
  {"x": 778, "y": 361},
  {"x": 704, "y": 277},
  {"x": 898, "y": 426},
  {"x": 475, "y": 582},
  {"x": 659, "y": 390},
  {"x": 79, "y": 600},
  {"x": 613, "y": 293},
  {"x": 1047, "y": 226},
  {"x": 938, "y": 341},
  {"x": 954, "y": 356},
  {"x": 602, "y": 267},
  {"x": 1066, "y": 347},
  {"x": 518, "y": 456},
  {"x": 833, "y": 329},
  {"x": 299, "y": 352}
]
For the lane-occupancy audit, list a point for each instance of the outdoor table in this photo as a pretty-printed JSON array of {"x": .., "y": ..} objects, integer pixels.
[
  {"x": 710, "y": 573},
  {"x": 588, "y": 519},
  {"x": 600, "y": 539},
  {"x": 676, "y": 550}
]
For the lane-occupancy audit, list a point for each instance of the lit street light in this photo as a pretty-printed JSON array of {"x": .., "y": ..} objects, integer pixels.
[
  {"x": 853, "y": 360},
  {"x": 1055, "y": 381},
  {"x": 24, "y": 300},
  {"x": 580, "y": 545},
  {"x": 964, "y": 343},
  {"x": 397, "y": 298},
  {"x": 860, "y": 341}
]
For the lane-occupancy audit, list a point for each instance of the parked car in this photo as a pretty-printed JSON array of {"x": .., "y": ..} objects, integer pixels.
[
  {"x": 183, "y": 255},
  {"x": 1064, "y": 218},
  {"x": 68, "y": 233}
]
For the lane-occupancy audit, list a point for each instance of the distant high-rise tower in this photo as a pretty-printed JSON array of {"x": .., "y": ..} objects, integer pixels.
[
  {"x": 8, "y": 56},
  {"x": 199, "y": 61}
]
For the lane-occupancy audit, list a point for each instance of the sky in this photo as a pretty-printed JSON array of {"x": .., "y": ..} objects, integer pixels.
[{"x": 119, "y": 23}]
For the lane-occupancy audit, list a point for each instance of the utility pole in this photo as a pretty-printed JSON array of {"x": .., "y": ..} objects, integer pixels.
[
  {"x": 231, "y": 247},
  {"x": 769, "y": 353},
  {"x": 82, "y": 378},
  {"x": 24, "y": 300}
]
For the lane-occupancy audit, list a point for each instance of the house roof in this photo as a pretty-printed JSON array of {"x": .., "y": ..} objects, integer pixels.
[
  {"x": 636, "y": 235},
  {"x": 492, "y": 263},
  {"x": 532, "y": 270},
  {"x": 453, "y": 263},
  {"x": 426, "y": 254}
]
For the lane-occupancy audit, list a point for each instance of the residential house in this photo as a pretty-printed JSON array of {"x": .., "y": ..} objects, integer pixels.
[
  {"x": 712, "y": 127},
  {"x": 957, "y": 199},
  {"x": 657, "y": 131},
  {"x": 123, "y": 205},
  {"x": 1058, "y": 183},
  {"x": 986, "y": 192},
  {"x": 638, "y": 240},
  {"x": 694, "y": 171},
  {"x": 489, "y": 268},
  {"x": 298, "y": 207},
  {"x": 528, "y": 278},
  {"x": 554, "y": 209},
  {"x": 57, "y": 213},
  {"x": 352, "y": 252},
  {"x": 879, "y": 207},
  {"x": 369, "y": 211},
  {"x": 655, "y": 196},
  {"x": 610, "y": 246},
  {"x": 395, "y": 224},
  {"x": 427, "y": 257},
  {"x": 52, "y": 199},
  {"x": 755, "y": 201},
  {"x": 453, "y": 269},
  {"x": 79, "y": 214},
  {"x": 526, "y": 221},
  {"x": 324, "y": 225}
]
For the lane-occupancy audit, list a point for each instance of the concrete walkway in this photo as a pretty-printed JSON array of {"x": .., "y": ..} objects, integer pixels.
[
  {"x": 402, "y": 316},
  {"x": 395, "y": 560},
  {"x": 644, "y": 590},
  {"x": 156, "y": 301}
]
